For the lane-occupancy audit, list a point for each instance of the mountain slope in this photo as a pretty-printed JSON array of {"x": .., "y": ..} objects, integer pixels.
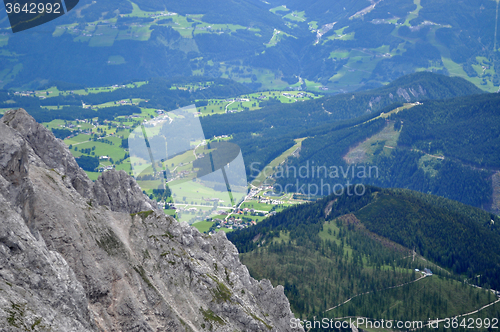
[
  {"x": 310, "y": 114},
  {"x": 84, "y": 256},
  {"x": 343, "y": 46},
  {"x": 278, "y": 124},
  {"x": 328, "y": 251},
  {"x": 444, "y": 147},
  {"x": 466, "y": 128},
  {"x": 430, "y": 224}
]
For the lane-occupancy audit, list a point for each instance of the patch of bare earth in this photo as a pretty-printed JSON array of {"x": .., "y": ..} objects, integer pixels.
[
  {"x": 362, "y": 152},
  {"x": 351, "y": 219}
]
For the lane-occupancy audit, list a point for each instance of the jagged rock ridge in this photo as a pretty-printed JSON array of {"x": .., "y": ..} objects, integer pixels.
[{"x": 82, "y": 256}]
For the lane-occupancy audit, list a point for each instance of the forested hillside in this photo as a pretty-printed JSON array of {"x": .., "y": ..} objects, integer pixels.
[
  {"x": 277, "y": 125},
  {"x": 422, "y": 147},
  {"x": 330, "y": 250},
  {"x": 369, "y": 132},
  {"x": 446, "y": 147},
  {"x": 157, "y": 93},
  {"x": 319, "y": 45},
  {"x": 467, "y": 129}
]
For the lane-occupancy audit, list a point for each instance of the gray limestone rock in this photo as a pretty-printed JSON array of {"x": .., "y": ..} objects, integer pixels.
[
  {"x": 77, "y": 255},
  {"x": 121, "y": 193}
]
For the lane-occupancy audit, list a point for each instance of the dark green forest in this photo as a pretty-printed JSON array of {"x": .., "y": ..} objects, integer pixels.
[
  {"x": 157, "y": 92},
  {"x": 277, "y": 125},
  {"x": 88, "y": 163},
  {"x": 461, "y": 33},
  {"x": 325, "y": 252},
  {"x": 367, "y": 59},
  {"x": 464, "y": 131},
  {"x": 456, "y": 236},
  {"x": 464, "y": 128}
]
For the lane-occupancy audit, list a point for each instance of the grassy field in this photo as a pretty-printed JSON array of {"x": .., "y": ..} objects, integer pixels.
[
  {"x": 359, "y": 67},
  {"x": 382, "y": 142},
  {"x": 279, "y": 9},
  {"x": 414, "y": 14},
  {"x": 116, "y": 60},
  {"x": 225, "y": 230},
  {"x": 54, "y": 91},
  {"x": 187, "y": 194},
  {"x": 82, "y": 138},
  {"x": 252, "y": 101},
  {"x": 179, "y": 23},
  {"x": 203, "y": 226},
  {"x": 339, "y": 35},
  {"x": 113, "y": 151},
  {"x": 214, "y": 106},
  {"x": 257, "y": 206},
  {"x": 296, "y": 16},
  {"x": 7, "y": 75},
  {"x": 339, "y": 54},
  {"x": 192, "y": 192},
  {"x": 277, "y": 161},
  {"x": 277, "y": 37},
  {"x": 170, "y": 212}
]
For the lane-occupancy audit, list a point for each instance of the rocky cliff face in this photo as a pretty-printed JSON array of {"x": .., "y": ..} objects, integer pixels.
[{"x": 82, "y": 256}]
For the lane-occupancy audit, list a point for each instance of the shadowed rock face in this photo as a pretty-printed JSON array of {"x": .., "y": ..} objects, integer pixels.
[{"x": 77, "y": 255}]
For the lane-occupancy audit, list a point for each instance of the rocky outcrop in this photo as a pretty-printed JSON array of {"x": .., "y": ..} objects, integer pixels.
[
  {"x": 121, "y": 193},
  {"x": 77, "y": 255},
  {"x": 417, "y": 93},
  {"x": 49, "y": 151},
  {"x": 404, "y": 94}
]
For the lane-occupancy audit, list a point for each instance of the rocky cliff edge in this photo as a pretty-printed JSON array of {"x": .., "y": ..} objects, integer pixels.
[{"x": 77, "y": 255}]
